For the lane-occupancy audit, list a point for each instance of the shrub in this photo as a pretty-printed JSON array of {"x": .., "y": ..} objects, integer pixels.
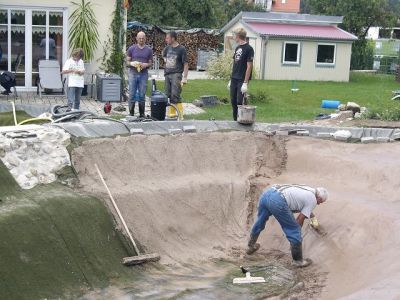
[
  {"x": 221, "y": 66},
  {"x": 259, "y": 97},
  {"x": 388, "y": 113}
]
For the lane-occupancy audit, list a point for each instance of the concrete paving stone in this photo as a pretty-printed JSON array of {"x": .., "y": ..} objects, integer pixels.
[
  {"x": 137, "y": 131},
  {"x": 91, "y": 104},
  {"x": 303, "y": 132},
  {"x": 189, "y": 128},
  {"x": 367, "y": 140},
  {"x": 282, "y": 132},
  {"x": 174, "y": 130},
  {"x": 382, "y": 139},
  {"x": 324, "y": 135}
]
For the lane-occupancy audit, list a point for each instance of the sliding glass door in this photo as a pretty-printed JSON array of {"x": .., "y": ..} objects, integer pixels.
[{"x": 28, "y": 35}]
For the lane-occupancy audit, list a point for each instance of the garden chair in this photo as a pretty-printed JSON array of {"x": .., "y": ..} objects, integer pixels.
[{"x": 50, "y": 78}]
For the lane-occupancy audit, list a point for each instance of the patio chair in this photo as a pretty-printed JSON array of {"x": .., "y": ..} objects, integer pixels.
[{"x": 50, "y": 78}]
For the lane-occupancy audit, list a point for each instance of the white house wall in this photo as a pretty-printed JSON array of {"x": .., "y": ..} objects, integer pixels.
[
  {"x": 102, "y": 9},
  {"x": 307, "y": 70}
]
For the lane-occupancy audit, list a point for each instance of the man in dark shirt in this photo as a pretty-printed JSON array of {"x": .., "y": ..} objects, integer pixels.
[
  {"x": 139, "y": 58},
  {"x": 241, "y": 71},
  {"x": 176, "y": 63}
]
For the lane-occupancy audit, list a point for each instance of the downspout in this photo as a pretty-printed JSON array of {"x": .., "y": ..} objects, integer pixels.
[{"x": 263, "y": 55}]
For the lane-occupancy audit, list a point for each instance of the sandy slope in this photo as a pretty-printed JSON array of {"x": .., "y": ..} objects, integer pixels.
[
  {"x": 185, "y": 196},
  {"x": 361, "y": 249}
]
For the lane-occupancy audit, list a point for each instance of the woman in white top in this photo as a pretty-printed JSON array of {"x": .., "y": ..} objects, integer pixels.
[{"x": 75, "y": 69}]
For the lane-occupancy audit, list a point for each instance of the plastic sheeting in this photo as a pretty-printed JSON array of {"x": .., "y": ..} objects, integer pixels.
[
  {"x": 31, "y": 109},
  {"x": 136, "y": 24}
]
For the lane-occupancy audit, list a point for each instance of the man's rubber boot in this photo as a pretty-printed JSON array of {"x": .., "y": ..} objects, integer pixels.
[
  {"x": 132, "y": 109},
  {"x": 180, "y": 109},
  {"x": 171, "y": 112},
  {"x": 141, "y": 109},
  {"x": 297, "y": 255},
  {"x": 252, "y": 245}
]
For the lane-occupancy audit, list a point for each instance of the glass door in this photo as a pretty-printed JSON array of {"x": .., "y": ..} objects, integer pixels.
[
  {"x": 3, "y": 40},
  {"x": 28, "y": 35},
  {"x": 47, "y": 38}
]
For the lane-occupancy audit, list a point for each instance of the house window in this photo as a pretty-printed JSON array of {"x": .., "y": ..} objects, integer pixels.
[
  {"x": 28, "y": 34},
  {"x": 326, "y": 54},
  {"x": 291, "y": 53}
]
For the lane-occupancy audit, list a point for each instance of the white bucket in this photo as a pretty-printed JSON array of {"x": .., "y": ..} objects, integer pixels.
[{"x": 246, "y": 114}]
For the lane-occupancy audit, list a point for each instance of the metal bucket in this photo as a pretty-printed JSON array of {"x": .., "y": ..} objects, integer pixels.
[{"x": 246, "y": 114}]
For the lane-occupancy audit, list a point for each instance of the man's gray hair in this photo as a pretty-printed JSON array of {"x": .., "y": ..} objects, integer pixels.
[{"x": 322, "y": 193}]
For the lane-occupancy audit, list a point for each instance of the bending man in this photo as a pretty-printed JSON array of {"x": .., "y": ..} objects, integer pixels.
[
  {"x": 281, "y": 201},
  {"x": 139, "y": 58}
]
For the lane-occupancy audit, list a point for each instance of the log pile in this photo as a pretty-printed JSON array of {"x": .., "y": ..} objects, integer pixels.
[{"x": 155, "y": 38}]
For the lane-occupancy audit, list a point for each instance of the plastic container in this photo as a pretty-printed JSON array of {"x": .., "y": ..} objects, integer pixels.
[
  {"x": 334, "y": 104},
  {"x": 158, "y": 105},
  {"x": 246, "y": 114}
]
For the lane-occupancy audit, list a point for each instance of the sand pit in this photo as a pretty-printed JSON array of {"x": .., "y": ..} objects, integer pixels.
[
  {"x": 192, "y": 198},
  {"x": 186, "y": 197}
]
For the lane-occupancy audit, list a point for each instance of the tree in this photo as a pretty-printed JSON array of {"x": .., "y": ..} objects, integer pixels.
[
  {"x": 177, "y": 13},
  {"x": 234, "y": 7},
  {"x": 359, "y": 17},
  {"x": 188, "y": 13}
]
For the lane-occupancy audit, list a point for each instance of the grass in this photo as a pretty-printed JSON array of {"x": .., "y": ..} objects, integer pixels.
[{"x": 370, "y": 90}]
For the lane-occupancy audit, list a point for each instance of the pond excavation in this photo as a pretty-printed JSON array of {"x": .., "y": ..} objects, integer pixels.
[{"x": 192, "y": 198}]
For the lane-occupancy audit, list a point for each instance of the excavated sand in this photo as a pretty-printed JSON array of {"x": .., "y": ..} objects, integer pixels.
[
  {"x": 360, "y": 251},
  {"x": 193, "y": 197},
  {"x": 186, "y": 196}
]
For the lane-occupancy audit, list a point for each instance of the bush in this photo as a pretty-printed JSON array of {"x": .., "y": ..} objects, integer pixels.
[
  {"x": 389, "y": 113},
  {"x": 362, "y": 55},
  {"x": 259, "y": 97},
  {"x": 221, "y": 66}
]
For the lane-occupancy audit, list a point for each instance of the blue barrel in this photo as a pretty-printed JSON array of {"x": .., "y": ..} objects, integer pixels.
[{"x": 330, "y": 104}]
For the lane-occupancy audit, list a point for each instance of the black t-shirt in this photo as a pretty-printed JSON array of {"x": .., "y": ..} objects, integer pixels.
[
  {"x": 243, "y": 54},
  {"x": 175, "y": 59}
]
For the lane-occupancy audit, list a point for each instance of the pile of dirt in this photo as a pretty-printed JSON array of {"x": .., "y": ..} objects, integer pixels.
[{"x": 186, "y": 197}]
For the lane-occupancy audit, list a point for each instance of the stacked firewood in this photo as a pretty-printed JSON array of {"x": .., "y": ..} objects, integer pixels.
[{"x": 193, "y": 41}]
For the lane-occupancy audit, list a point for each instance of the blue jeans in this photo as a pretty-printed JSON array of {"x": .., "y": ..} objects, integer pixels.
[
  {"x": 74, "y": 97},
  {"x": 272, "y": 203},
  {"x": 137, "y": 81}
]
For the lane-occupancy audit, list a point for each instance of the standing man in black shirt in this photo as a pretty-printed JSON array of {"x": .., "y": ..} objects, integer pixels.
[
  {"x": 176, "y": 63},
  {"x": 241, "y": 71}
]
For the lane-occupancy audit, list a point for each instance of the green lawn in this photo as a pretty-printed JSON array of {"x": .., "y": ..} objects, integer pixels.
[{"x": 370, "y": 90}]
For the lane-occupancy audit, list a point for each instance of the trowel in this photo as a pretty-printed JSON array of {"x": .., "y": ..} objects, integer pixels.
[{"x": 248, "y": 278}]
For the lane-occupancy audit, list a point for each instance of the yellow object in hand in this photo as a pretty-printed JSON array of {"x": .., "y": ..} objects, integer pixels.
[{"x": 314, "y": 222}]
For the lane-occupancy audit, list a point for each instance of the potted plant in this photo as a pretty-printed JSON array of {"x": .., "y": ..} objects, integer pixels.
[{"x": 83, "y": 33}]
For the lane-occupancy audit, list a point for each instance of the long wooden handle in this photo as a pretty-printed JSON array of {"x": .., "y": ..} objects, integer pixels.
[{"x": 117, "y": 209}]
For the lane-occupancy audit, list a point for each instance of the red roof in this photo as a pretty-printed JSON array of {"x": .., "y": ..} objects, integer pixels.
[{"x": 301, "y": 31}]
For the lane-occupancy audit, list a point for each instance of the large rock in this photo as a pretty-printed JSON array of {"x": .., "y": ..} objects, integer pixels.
[
  {"x": 342, "y": 135},
  {"x": 35, "y": 159}
]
